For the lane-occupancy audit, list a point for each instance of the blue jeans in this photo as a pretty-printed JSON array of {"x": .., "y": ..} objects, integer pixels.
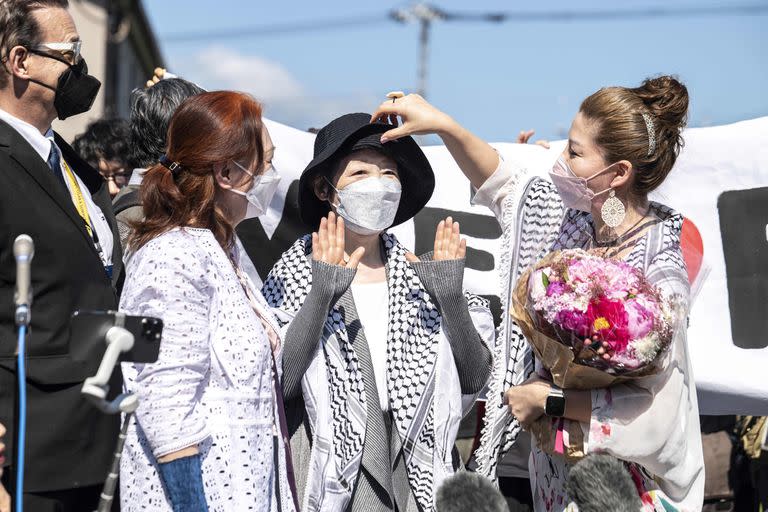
[{"x": 183, "y": 483}]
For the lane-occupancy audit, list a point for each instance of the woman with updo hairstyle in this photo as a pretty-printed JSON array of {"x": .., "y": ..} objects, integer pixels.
[
  {"x": 206, "y": 434},
  {"x": 622, "y": 145}
]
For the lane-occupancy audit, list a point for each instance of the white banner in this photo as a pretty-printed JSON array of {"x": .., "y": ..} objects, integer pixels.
[{"x": 720, "y": 183}]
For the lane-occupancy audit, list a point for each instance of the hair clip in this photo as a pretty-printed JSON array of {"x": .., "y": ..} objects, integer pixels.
[
  {"x": 651, "y": 133},
  {"x": 169, "y": 164}
]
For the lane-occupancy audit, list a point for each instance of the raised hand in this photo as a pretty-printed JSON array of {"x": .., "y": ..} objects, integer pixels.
[
  {"x": 159, "y": 74},
  {"x": 417, "y": 115},
  {"x": 328, "y": 244},
  {"x": 448, "y": 243},
  {"x": 524, "y": 136}
]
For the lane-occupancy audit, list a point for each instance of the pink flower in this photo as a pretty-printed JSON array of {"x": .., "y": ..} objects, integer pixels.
[
  {"x": 608, "y": 319},
  {"x": 639, "y": 319},
  {"x": 574, "y": 321},
  {"x": 556, "y": 288}
]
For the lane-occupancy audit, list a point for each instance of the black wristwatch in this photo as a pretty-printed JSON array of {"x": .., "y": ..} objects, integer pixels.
[{"x": 555, "y": 404}]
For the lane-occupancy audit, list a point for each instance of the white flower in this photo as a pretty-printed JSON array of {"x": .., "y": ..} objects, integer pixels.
[
  {"x": 645, "y": 348},
  {"x": 536, "y": 285}
]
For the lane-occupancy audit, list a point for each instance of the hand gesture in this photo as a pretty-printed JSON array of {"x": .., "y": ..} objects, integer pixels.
[
  {"x": 589, "y": 347},
  {"x": 328, "y": 244},
  {"x": 448, "y": 243},
  {"x": 159, "y": 74},
  {"x": 524, "y": 136},
  {"x": 526, "y": 401},
  {"x": 417, "y": 115}
]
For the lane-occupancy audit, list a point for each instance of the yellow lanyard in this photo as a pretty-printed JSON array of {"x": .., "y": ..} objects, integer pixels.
[{"x": 78, "y": 198}]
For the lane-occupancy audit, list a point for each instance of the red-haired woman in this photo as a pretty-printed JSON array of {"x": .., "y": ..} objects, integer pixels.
[{"x": 206, "y": 435}]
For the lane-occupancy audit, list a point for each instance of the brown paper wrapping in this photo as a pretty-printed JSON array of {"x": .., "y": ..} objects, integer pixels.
[
  {"x": 544, "y": 429},
  {"x": 558, "y": 358}
]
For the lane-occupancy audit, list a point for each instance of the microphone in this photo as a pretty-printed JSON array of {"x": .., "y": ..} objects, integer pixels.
[
  {"x": 600, "y": 482},
  {"x": 23, "y": 251},
  {"x": 469, "y": 491}
]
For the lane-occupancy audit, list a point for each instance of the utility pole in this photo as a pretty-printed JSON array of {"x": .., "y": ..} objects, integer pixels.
[{"x": 425, "y": 14}]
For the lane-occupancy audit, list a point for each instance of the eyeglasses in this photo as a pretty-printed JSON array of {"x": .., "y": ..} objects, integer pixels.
[{"x": 70, "y": 51}]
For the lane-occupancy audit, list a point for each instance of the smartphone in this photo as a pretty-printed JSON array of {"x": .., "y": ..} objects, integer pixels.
[
  {"x": 89, "y": 328},
  {"x": 744, "y": 230}
]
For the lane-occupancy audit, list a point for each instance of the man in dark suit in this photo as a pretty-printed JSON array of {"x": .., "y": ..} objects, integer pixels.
[{"x": 49, "y": 193}]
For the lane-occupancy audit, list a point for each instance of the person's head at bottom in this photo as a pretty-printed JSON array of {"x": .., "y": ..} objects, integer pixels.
[
  {"x": 217, "y": 170},
  {"x": 466, "y": 491}
]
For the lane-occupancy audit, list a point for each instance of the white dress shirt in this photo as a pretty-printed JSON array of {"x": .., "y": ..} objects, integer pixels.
[
  {"x": 42, "y": 146},
  {"x": 136, "y": 176}
]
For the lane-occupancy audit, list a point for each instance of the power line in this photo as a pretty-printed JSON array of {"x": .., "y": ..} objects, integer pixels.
[
  {"x": 361, "y": 22},
  {"x": 364, "y": 22}
]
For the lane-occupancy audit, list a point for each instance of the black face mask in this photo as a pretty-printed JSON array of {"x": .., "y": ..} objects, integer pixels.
[{"x": 76, "y": 89}]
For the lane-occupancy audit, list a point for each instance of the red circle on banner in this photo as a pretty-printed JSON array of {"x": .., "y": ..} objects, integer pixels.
[{"x": 692, "y": 247}]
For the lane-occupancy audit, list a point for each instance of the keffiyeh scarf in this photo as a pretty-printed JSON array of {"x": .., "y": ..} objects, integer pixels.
[
  {"x": 333, "y": 387},
  {"x": 530, "y": 225}
]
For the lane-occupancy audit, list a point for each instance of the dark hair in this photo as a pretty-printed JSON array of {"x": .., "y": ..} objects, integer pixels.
[
  {"x": 106, "y": 138},
  {"x": 19, "y": 28},
  {"x": 469, "y": 491},
  {"x": 622, "y": 134},
  {"x": 209, "y": 128},
  {"x": 151, "y": 111}
]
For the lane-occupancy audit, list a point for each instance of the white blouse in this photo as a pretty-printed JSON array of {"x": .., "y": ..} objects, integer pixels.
[
  {"x": 212, "y": 385},
  {"x": 372, "y": 304},
  {"x": 652, "y": 422}
]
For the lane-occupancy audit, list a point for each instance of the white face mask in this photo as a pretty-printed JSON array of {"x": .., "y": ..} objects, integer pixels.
[
  {"x": 261, "y": 192},
  {"x": 369, "y": 206},
  {"x": 573, "y": 190}
]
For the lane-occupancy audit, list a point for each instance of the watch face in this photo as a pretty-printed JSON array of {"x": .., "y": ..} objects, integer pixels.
[{"x": 555, "y": 406}]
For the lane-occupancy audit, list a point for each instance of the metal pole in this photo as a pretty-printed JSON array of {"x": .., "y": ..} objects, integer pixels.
[
  {"x": 110, "y": 485},
  {"x": 423, "y": 55}
]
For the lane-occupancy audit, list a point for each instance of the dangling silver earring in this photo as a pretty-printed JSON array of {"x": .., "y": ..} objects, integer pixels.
[{"x": 613, "y": 211}]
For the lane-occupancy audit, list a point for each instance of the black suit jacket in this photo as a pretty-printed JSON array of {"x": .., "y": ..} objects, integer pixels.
[{"x": 69, "y": 442}]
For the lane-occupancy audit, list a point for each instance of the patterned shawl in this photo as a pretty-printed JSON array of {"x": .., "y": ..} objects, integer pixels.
[{"x": 334, "y": 380}]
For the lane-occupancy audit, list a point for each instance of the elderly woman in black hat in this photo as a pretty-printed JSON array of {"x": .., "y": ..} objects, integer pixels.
[{"x": 384, "y": 352}]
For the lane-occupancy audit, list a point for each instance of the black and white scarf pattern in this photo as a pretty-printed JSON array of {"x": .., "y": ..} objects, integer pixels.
[
  {"x": 534, "y": 223},
  {"x": 412, "y": 355},
  {"x": 530, "y": 224}
]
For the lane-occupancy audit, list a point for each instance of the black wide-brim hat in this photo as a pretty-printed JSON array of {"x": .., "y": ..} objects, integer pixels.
[{"x": 349, "y": 133}]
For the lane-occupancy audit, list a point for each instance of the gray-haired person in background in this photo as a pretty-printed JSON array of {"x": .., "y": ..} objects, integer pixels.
[
  {"x": 151, "y": 111},
  {"x": 469, "y": 491}
]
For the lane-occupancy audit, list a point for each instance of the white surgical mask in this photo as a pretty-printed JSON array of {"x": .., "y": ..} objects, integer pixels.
[
  {"x": 573, "y": 190},
  {"x": 369, "y": 206},
  {"x": 261, "y": 192}
]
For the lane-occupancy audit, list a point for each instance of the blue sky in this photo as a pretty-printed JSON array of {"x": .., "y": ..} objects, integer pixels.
[{"x": 495, "y": 78}]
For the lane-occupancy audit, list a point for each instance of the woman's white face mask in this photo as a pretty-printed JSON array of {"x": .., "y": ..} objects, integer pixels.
[
  {"x": 261, "y": 192},
  {"x": 369, "y": 206}
]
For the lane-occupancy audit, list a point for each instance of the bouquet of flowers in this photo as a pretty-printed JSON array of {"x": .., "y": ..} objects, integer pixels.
[{"x": 592, "y": 322}]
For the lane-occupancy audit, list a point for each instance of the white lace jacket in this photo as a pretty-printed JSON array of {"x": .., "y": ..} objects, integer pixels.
[{"x": 212, "y": 384}]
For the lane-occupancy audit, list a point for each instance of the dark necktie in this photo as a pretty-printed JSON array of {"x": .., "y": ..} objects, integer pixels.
[{"x": 54, "y": 162}]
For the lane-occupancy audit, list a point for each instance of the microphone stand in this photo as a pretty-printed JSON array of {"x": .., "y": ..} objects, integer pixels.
[
  {"x": 23, "y": 251},
  {"x": 19, "y": 409},
  {"x": 95, "y": 390}
]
